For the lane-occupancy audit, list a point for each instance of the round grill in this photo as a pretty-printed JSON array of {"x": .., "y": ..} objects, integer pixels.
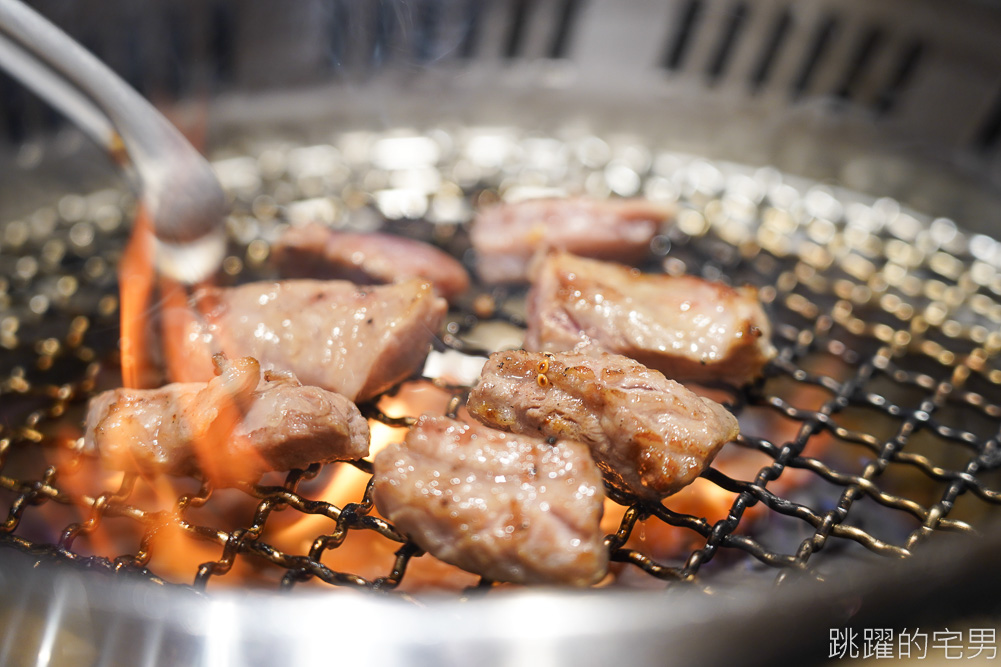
[{"x": 875, "y": 429}]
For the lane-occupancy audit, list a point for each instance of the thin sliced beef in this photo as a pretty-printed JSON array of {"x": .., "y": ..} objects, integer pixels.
[
  {"x": 317, "y": 251},
  {"x": 649, "y": 435},
  {"x": 233, "y": 428},
  {"x": 686, "y": 327},
  {"x": 507, "y": 507},
  {"x": 356, "y": 341},
  {"x": 507, "y": 236}
]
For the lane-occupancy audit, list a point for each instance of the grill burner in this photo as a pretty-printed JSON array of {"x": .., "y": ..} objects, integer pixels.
[{"x": 883, "y": 401}]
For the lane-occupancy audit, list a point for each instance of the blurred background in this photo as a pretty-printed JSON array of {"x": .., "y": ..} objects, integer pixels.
[{"x": 896, "y": 98}]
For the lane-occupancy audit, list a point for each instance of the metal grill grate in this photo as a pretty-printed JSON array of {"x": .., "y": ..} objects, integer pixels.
[{"x": 875, "y": 428}]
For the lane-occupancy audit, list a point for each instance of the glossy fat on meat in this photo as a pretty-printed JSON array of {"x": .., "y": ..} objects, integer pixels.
[
  {"x": 357, "y": 341},
  {"x": 507, "y": 507},
  {"x": 317, "y": 251},
  {"x": 507, "y": 236},
  {"x": 688, "y": 328},
  {"x": 649, "y": 435},
  {"x": 233, "y": 428}
]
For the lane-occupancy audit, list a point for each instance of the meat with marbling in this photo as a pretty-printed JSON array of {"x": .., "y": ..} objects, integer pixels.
[
  {"x": 507, "y": 507},
  {"x": 688, "y": 328},
  {"x": 507, "y": 236},
  {"x": 237, "y": 426},
  {"x": 649, "y": 435},
  {"x": 317, "y": 251},
  {"x": 357, "y": 341}
]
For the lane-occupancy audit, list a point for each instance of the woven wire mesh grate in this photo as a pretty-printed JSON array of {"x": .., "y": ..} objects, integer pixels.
[{"x": 876, "y": 427}]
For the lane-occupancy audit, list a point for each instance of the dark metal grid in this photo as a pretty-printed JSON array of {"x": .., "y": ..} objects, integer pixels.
[{"x": 875, "y": 311}]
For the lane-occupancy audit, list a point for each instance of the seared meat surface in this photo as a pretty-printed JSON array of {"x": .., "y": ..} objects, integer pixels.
[
  {"x": 508, "y": 507},
  {"x": 507, "y": 236},
  {"x": 356, "y": 341},
  {"x": 233, "y": 428},
  {"x": 686, "y": 327},
  {"x": 317, "y": 251},
  {"x": 649, "y": 435}
]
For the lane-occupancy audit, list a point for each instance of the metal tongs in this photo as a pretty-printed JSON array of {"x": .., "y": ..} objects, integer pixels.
[{"x": 177, "y": 187}]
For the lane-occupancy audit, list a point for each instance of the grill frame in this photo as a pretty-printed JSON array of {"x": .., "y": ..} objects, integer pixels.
[{"x": 131, "y": 621}]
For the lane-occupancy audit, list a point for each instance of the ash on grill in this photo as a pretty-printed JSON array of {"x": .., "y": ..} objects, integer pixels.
[{"x": 876, "y": 426}]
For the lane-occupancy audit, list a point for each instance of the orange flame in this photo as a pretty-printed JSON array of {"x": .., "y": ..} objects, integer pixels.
[
  {"x": 144, "y": 295},
  {"x": 136, "y": 280},
  {"x": 147, "y": 298},
  {"x": 214, "y": 412}
]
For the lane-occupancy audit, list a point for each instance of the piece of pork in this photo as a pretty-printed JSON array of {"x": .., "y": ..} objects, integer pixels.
[
  {"x": 507, "y": 507},
  {"x": 357, "y": 341},
  {"x": 507, "y": 236},
  {"x": 233, "y": 428},
  {"x": 317, "y": 251},
  {"x": 686, "y": 327},
  {"x": 649, "y": 435}
]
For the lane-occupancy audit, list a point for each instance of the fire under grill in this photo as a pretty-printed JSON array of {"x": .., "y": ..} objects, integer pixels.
[{"x": 875, "y": 429}]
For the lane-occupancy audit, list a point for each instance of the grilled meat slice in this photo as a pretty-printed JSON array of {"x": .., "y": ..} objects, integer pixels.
[
  {"x": 507, "y": 236},
  {"x": 508, "y": 507},
  {"x": 356, "y": 341},
  {"x": 686, "y": 327},
  {"x": 317, "y": 251},
  {"x": 649, "y": 435},
  {"x": 233, "y": 428}
]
